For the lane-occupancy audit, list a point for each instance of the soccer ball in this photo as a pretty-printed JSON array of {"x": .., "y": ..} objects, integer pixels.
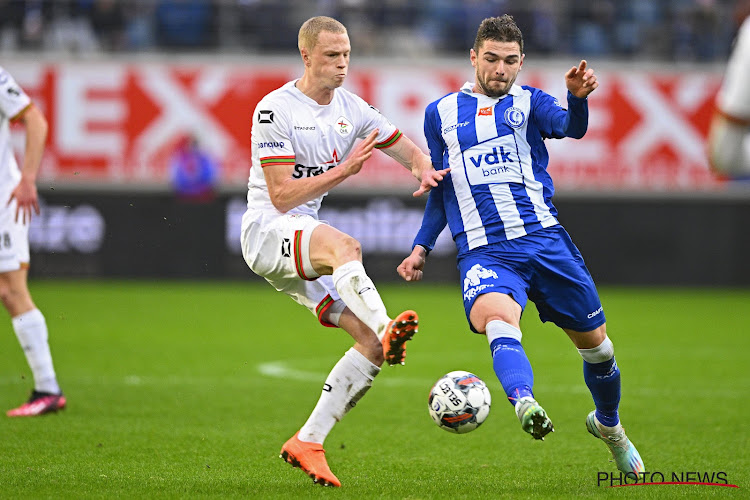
[{"x": 459, "y": 402}]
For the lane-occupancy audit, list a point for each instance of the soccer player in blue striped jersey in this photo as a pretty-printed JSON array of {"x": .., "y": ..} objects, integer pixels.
[{"x": 511, "y": 248}]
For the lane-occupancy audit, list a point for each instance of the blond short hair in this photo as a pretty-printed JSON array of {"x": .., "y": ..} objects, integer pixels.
[{"x": 308, "y": 33}]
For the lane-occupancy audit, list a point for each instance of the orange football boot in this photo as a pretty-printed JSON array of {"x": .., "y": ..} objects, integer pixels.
[
  {"x": 398, "y": 332},
  {"x": 311, "y": 458}
]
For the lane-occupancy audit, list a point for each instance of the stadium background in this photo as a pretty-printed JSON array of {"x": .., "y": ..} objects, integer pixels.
[
  {"x": 123, "y": 82},
  {"x": 186, "y": 388}
]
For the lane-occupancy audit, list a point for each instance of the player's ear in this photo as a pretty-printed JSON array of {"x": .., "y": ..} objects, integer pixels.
[
  {"x": 520, "y": 63},
  {"x": 473, "y": 57},
  {"x": 305, "y": 56}
]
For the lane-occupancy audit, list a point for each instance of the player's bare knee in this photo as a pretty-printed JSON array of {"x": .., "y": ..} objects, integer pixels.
[
  {"x": 480, "y": 324},
  {"x": 16, "y": 301},
  {"x": 347, "y": 249}
]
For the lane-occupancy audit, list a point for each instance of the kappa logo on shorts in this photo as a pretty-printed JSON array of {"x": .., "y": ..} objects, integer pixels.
[
  {"x": 286, "y": 248},
  {"x": 265, "y": 116}
]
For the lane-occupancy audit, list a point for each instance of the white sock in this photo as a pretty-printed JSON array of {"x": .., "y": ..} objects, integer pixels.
[
  {"x": 359, "y": 294},
  {"x": 349, "y": 380},
  {"x": 31, "y": 330},
  {"x": 609, "y": 431}
]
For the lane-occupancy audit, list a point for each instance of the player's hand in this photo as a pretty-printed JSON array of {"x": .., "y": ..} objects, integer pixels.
[
  {"x": 581, "y": 81},
  {"x": 361, "y": 153},
  {"x": 430, "y": 179},
  {"x": 26, "y": 198},
  {"x": 412, "y": 267}
]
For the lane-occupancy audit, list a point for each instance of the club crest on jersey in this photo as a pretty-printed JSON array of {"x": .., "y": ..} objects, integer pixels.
[
  {"x": 514, "y": 117},
  {"x": 265, "y": 116},
  {"x": 344, "y": 126},
  {"x": 485, "y": 111}
]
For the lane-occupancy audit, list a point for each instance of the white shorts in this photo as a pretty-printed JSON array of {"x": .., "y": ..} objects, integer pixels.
[
  {"x": 14, "y": 239},
  {"x": 278, "y": 249}
]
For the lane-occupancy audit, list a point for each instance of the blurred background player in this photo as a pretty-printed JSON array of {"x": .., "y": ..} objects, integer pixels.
[
  {"x": 303, "y": 144},
  {"x": 19, "y": 195},
  {"x": 194, "y": 173},
  {"x": 511, "y": 248},
  {"x": 729, "y": 135}
]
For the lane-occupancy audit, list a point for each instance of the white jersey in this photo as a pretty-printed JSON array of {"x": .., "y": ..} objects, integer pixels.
[
  {"x": 13, "y": 101},
  {"x": 734, "y": 96},
  {"x": 289, "y": 128}
]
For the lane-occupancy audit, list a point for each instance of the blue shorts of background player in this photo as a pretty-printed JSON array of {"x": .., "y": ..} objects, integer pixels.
[{"x": 545, "y": 267}]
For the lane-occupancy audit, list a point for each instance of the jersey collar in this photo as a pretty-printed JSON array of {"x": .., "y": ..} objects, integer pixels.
[{"x": 515, "y": 90}]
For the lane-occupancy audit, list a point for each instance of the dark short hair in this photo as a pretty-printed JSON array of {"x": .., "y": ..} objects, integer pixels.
[{"x": 498, "y": 29}]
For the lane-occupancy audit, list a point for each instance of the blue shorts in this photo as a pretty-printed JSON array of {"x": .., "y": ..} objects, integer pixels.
[{"x": 544, "y": 267}]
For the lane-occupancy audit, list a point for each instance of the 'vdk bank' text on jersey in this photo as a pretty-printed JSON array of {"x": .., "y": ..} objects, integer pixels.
[{"x": 498, "y": 188}]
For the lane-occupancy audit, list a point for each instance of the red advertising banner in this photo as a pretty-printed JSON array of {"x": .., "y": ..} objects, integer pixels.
[{"x": 115, "y": 123}]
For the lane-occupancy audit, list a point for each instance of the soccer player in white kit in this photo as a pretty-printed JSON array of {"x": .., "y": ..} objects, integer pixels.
[
  {"x": 303, "y": 144},
  {"x": 19, "y": 198},
  {"x": 729, "y": 136}
]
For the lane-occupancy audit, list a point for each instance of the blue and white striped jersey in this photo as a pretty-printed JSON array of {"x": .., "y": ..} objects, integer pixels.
[{"x": 498, "y": 188}]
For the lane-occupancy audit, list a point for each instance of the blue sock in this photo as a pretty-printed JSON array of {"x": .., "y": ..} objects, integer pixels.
[
  {"x": 603, "y": 380},
  {"x": 512, "y": 368}
]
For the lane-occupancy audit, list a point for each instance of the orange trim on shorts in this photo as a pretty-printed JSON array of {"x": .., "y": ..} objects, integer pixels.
[
  {"x": 298, "y": 257},
  {"x": 25, "y": 265},
  {"x": 324, "y": 305}
]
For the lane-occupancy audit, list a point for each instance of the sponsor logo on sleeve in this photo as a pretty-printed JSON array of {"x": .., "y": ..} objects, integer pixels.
[
  {"x": 271, "y": 144},
  {"x": 265, "y": 116}
]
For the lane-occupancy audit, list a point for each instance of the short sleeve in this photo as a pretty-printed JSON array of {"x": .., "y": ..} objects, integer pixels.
[
  {"x": 373, "y": 119},
  {"x": 734, "y": 95},
  {"x": 271, "y": 134},
  {"x": 13, "y": 100}
]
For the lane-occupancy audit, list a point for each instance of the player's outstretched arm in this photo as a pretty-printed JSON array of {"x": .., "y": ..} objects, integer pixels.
[
  {"x": 25, "y": 193},
  {"x": 410, "y": 156},
  {"x": 412, "y": 267},
  {"x": 581, "y": 81},
  {"x": 287, "y": 193}
]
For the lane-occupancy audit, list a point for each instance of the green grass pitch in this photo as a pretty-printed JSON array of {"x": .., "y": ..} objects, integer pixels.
[{"x": 188, "y": 390}]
